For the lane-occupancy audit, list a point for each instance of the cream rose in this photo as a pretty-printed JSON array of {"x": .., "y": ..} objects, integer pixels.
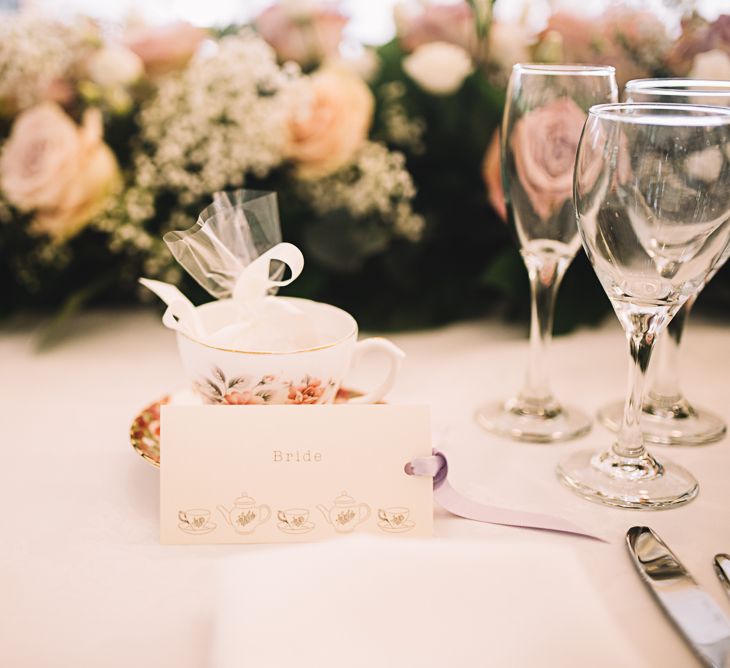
[
  {"x": 61, "y": 171},
  {"x": 438, "y": 67},
  {"x": 509, "y": 43},
  {"x": 544, "y": 143},
  {"x": 713, "y": 64},
  {"x": 114, "y": 66},
  {"x": 330, "y": 120}
]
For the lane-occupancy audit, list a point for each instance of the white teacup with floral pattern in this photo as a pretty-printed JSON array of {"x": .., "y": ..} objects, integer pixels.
[{"x": 306, "y": 376}]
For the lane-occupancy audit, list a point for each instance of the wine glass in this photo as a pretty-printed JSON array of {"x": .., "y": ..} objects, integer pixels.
[
  {"x": 668, "y": 418},
  {"x": 545, "y": 111},
  {"x": 652, "y": 184}
]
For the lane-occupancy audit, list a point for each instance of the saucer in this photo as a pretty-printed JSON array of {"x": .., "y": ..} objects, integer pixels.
[
  {"x": 406, "y": 526},
  {"x": 307, "y": 526},
  {"x": 144, "y": 432},
  {"x": 197, "y": 532}
]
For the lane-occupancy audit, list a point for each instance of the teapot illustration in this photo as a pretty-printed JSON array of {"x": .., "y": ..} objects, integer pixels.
[
  {"x": 245, "y": 515},
  {"x": 346, "y": 514}
]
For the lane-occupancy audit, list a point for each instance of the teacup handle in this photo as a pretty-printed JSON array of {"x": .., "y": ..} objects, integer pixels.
[
  {"x": 264, "y": 513},
  {"x": 393, "y": 352},
  {"x": 363, "y": 512}
]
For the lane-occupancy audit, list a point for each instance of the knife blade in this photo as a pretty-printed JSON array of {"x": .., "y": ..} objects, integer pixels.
[
  {"x": 700, "y": 620},
  {"x": 722, "y": 568}
]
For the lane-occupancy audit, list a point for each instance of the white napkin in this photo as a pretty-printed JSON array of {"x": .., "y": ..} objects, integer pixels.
[{"x": 376, "y": 603}]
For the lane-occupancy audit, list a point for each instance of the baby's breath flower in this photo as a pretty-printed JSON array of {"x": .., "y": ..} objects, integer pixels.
[
  {"x": 36, "y": 54},
  {"x": 375, "y": 184}
]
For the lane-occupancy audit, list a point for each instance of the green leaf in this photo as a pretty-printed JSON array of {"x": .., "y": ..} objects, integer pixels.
[
  {"x": 506, "y": 274},
  {"x": 49, "y": 334}
]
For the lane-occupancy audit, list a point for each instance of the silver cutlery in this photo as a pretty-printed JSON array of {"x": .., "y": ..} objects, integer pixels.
[
  {"x": 722, "y": 568},
  {"x": 700, "y": 620}
]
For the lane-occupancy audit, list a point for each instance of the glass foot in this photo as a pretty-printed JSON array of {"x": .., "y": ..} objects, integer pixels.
[
  {"x": 669, "y": 423},
  {"x": 536, "y": 423},
  {"x": 640, "y": 483}
]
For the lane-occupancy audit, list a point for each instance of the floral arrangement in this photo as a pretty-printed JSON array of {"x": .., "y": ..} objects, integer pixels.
[{"x": 385, "y": 160}]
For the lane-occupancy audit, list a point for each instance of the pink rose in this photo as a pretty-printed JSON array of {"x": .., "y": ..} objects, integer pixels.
[
  {"x": 492, "y": 173},
  {"x": 615, "y": 38},
  {"x": 699, "y": 36},
  {"x": 452, "y": 23},
  {"x": 544, "y": 144},
  {"x": 307, "y": 36},
  {"x": 310, "y": 392},
  {"x": 329, "y": 122},
  {"x": 63, "y": 172},
  {"x": 165, "y": 48}
]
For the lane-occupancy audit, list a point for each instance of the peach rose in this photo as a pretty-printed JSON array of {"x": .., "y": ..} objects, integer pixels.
[
  {"x": 305, "y": 35},
  {"x": 492, "y": 173},
  {"x": 544, "y": 143},
  {"x": 61, "y": 171},
  {"x": 165, "y": 48},
  {"x": 329, "y": 122}
]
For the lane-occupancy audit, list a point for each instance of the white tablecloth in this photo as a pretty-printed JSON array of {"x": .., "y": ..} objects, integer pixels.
[{"x": 84, "y": 581}]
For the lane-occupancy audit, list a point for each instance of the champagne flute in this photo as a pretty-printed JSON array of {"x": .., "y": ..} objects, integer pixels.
[
  {"x": 668, "y": 418},
  {"x": 545, "y": 111},
  {"x": 653, "y": 209}
]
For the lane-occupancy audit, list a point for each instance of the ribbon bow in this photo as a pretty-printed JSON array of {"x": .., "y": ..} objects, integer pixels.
[{"x": 437, "y": 467}]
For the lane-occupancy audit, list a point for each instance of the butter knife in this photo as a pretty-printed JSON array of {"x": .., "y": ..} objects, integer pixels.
[
  {"x": 699, "y": 619},
  {"x": 722, "y": 568}
]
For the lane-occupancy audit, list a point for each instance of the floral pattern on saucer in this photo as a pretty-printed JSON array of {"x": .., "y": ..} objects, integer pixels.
[
  {"x": 242, "y": 391},
  {"x": 144, "y": 433}
]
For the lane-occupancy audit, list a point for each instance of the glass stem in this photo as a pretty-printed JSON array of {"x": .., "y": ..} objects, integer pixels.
[
  {"x": 664, "y": 377},
  {"x": 545, "y": 275},
  {"x": 630, "y": 443}
]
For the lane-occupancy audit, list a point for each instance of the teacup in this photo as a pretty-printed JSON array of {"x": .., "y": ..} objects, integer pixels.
[
  {"x": 306, "y": 376},
  {"x": 395, "y": 517},
  {"x": 295, "y": 518},
  {"x": 195, "y": 518}
]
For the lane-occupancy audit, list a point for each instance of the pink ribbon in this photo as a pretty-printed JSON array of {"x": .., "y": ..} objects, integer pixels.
[{"x": 437, "y": 467}]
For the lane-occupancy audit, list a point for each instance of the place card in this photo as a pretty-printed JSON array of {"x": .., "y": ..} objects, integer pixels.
[{"x": 277, "y": 474}]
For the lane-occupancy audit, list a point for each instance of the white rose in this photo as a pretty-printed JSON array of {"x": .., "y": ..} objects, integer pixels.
[
  {"x": 364, "y": 63},
  {"x": 114, "y": 66},
  {"x": 714, "y": 64},
  {"x": 438, "y": 67}
]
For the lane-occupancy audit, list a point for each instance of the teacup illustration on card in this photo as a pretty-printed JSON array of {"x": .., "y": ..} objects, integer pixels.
[
  {"x": 394, "y": 519},
  {"x": 245, "y": 515},
  {"x": 346, "y": 513},
  {"x": 195, "y": 521},
  {"x": 294, "y": 520}
]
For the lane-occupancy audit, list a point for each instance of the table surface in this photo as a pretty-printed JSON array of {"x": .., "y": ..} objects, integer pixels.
[{"x": 85, "y": 582}]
